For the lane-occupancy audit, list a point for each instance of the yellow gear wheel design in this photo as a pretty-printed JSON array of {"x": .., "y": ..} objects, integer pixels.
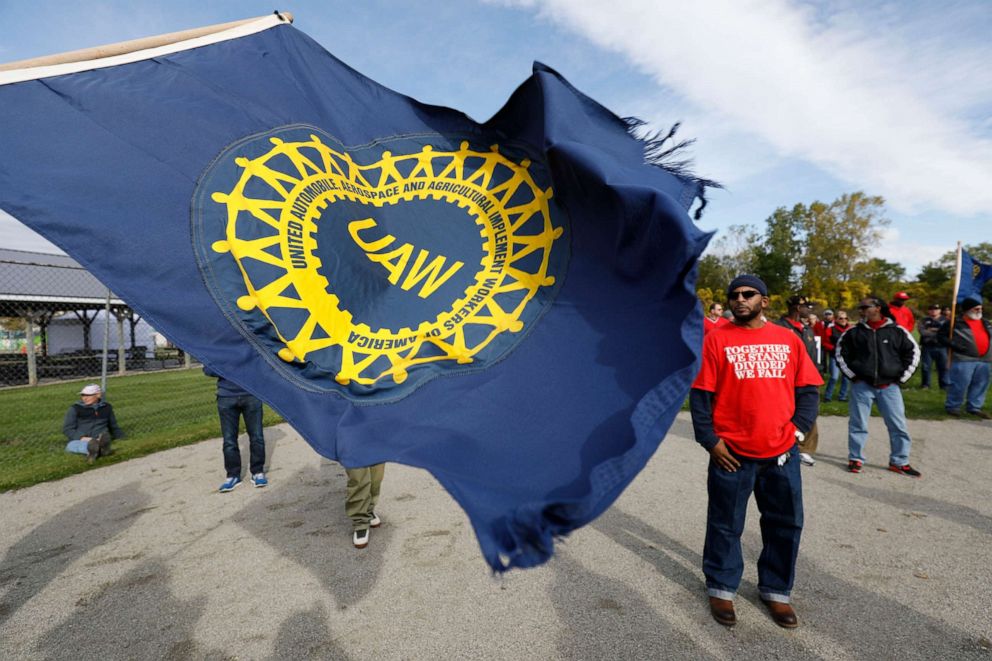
[{"x": 320, "y": 177}]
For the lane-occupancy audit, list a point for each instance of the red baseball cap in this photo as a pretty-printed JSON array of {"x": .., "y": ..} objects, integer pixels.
[{"x": 901, "y": 296}]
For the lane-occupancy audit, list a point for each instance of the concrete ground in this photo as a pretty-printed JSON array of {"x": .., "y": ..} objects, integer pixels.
[{"x": 145, "y": 560}]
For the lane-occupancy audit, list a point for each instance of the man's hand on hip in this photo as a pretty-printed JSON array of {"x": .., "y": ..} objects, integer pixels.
[{"x": 721, "y": 455}]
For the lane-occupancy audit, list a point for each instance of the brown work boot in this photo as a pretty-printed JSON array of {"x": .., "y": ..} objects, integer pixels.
[
  {"x": 723, "y": 611},
  {"x": 92, "y": 450},
  {"x": 782, "y": 614},
  {"x": 103, "y": 444}
]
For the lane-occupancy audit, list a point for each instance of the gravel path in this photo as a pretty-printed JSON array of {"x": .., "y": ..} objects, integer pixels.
[{"x": 146, "y": 560}]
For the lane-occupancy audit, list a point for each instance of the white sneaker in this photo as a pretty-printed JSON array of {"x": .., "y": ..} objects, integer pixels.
[
  {"x": 375, "y": 521},
  {"x": 807, "y": 458},
  {"x": 361, "y": 538}
]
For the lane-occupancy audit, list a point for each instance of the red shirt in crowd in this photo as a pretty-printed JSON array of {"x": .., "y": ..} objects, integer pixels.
[
  {"x": 709, "y": 324},
  {"x": 903, "y": 316},
  {"x": 753, "y": 374},
  {"x": 980, "y": 333}
]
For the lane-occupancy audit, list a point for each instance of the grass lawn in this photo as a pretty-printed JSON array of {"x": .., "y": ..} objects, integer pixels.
[
  {"x": 156, "y": 410},
  {"x": 167, "y": 409},
  {"x": 920, "y": 404}
]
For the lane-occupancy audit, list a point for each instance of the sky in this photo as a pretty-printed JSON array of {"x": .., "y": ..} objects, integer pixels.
[{"x": 788, "y": 101}]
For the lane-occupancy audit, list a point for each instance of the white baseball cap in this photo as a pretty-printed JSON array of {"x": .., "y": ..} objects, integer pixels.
[{"x": 91, "y": 389}]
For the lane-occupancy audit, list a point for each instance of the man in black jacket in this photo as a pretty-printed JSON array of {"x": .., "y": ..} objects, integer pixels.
[
  {"x": 971, "y": 354},
  {"x": 931, "y": 327},
  {"x": 878, "y": 355},
  {"x": 797, "y": 321}
]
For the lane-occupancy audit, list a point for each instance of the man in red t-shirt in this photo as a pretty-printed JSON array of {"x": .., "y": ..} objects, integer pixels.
[
  {"x": 971, "y": 347},
  {"x": 714, "y": 319},
  {"x": 755, "y": 396}
]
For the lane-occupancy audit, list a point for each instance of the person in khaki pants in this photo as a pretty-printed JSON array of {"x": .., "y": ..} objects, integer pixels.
[{"x": 363, "y": 493}]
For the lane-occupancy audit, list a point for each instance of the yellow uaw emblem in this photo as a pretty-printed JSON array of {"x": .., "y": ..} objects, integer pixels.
[{"x": 330, "y": 234}]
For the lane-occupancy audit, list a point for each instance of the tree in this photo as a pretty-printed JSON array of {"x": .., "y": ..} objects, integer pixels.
[
  {"x": 775, "y": 258},
  {"x": 933, "y": 275},
  {"x": 821, "y": 250},
  {"x": 881, "y": 276},
  {"x": 711, "y": 275},
  {"x": 729, "y": 256},
  {"x": 836, "y": 237}
]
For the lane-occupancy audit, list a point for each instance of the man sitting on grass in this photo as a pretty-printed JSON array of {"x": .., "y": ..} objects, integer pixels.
[{"x": 90, "y": 424}]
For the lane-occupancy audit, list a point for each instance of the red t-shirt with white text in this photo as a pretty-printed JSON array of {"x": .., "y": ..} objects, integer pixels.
[{"x": 754, "y": 373}]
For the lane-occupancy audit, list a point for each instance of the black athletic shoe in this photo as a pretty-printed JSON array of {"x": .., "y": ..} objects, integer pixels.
[{"x": 905, "y": 470}]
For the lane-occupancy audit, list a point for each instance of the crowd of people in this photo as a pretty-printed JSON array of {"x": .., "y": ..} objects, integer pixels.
[{"x": 754, "y": 405}]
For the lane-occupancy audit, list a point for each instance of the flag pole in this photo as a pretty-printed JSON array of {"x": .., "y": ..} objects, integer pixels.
[
  {"x": 954, "y": 305},
  {"x": 124, "y": 47}
]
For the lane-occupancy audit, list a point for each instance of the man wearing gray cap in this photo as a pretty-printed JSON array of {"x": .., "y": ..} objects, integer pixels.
[
  {"x": 971, "y": 353},
  {"x": 90, "y": 424}
]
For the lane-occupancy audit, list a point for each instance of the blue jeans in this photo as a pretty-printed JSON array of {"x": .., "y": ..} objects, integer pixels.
[
  {"x": 890, "y": 405},
  {"x": 971, "y": 378},
  {"x": 835, "y": 376},
  {"x": 778, "y": 491},
  {"x": 230, "y": 410},
  {"x": 77, "y": 446},
  {"x": 938, "y": 357}
]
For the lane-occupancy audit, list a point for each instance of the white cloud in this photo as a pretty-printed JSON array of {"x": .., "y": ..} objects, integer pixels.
[
  {"x": 912, "y": 255},
  {"x": 894, "y": 111}
]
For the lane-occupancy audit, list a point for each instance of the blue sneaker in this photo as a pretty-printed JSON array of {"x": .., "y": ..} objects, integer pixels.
[
  {"x": 258, "y": 479},
  {"x": 229, "y": 484}
]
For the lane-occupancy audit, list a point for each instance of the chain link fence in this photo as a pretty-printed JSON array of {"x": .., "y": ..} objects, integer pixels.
[{"x": 61, "y": 329}]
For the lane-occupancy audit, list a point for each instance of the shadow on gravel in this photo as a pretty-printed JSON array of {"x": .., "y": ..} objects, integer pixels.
[
  {"x": 960, "y": 514},
  {"x": 305, "y": 635},
  {"x": 664, "y": 553},
  {"x": 304, "y": 520},
  {"x": 41, "y": 555},
  {"x": 603, "y": 618},
  {"x": 866, "y": 625},
  {"x": 857, "y": 621},
  {"x": 273, "y": 435},
  {"x": 135, "y": 617}
]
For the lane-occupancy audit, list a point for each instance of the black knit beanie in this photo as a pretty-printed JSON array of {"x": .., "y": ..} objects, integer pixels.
[{"x": 747, "y": 280}]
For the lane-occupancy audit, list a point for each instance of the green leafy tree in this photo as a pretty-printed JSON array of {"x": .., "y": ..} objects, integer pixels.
[
  {"x": 881, "y": 276},
  {"x": 775, "y": 258},
  {"x": 836, "y": 237}
]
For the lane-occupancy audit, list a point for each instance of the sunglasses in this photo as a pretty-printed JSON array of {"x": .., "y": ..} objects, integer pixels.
[
  {"x": 747, "y": 295},
  {"x": 865, "y": 307}
]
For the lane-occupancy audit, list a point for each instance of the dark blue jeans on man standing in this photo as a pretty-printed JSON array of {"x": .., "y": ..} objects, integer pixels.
[
  {"x": 231, "y": 409},
  {"x": 934, "y": 355},
  {"x": 778, "y": 492}
]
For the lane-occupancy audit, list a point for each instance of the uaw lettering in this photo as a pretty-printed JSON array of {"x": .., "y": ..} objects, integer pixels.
[
  {"x": 369, "y": 270},
  {"x": 759, "y": 361}
]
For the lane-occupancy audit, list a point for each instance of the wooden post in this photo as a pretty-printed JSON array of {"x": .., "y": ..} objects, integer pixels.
[
  {"x": 954, "y": 308},
  {"x": 29, "y": 338},
  {"x": 124, "y": 47},
  {"x": 121, "y": 352}
]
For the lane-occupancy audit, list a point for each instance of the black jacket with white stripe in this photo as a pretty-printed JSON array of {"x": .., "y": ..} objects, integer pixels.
[{"x": 878, "y": 357}]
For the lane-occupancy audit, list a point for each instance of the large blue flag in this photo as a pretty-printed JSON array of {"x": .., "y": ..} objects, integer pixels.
[
  {"x": 508, "y": 305},
  {"x": 974, "y": 275}
]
